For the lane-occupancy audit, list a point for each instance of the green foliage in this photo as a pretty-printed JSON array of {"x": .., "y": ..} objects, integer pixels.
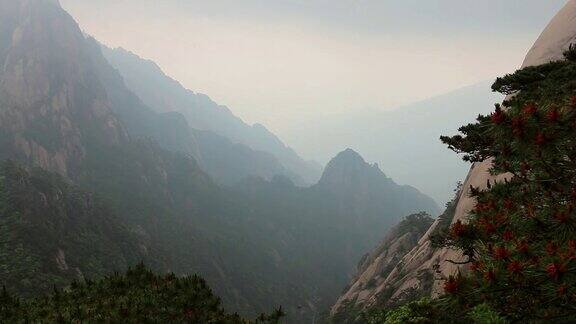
[
  {"x": 427, "y": 311},
  {"x": 139, "y": 296},
  {"x": 521, "y": 236},
  {"x": 437, "y": 237},
  {"x": 249, "y": 242},
  {"x": 483, "y": 314},
  {"x": 52, "y": 233},
  {"x": 416, "y": 312},
  {"x": 415, "y": 223}
]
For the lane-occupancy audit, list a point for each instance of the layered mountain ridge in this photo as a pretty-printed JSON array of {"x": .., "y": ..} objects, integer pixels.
[
  {"x": 164, "y": 94},
  {"x": 64, "y": 109}
]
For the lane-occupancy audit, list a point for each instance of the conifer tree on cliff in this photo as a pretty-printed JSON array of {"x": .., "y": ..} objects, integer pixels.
[{"x": 520, "y": 240}]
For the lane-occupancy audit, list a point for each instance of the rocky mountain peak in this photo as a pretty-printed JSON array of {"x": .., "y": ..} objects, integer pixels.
[
  {"x": 349, "y": 168},
  {"x": 349, "y": 155}
]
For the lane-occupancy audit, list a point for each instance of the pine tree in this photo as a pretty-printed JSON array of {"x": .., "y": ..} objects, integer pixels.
[
  {"x": 139, "y": 296},
  {"x": 521, "y": 237}
]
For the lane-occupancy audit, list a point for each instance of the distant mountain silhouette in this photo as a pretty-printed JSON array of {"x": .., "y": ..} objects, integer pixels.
[
  {"x": 164, "y": 94},
  {"x": 405, "y": 141}
]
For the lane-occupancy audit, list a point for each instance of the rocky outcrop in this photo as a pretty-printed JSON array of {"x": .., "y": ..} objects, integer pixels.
[
  {"x": 401, "y": 268},
  {"x": 376, "y": 271},
  {"x": 47, "y": 83}
]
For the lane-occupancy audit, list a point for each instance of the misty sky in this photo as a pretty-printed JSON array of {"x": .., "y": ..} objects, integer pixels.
[{"x": 279, "y": 61}]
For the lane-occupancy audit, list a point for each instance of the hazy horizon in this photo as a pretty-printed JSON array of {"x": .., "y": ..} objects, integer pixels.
[
  {"x": 318, "y": 73},
  {"x": 284, "y": 62}
]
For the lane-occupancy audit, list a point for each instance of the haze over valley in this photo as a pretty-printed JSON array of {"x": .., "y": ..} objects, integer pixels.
[{"x": 285, "y": 161}]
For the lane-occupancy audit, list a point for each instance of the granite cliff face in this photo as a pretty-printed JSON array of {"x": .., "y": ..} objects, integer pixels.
[
  {"x": 434, "y": 263},
  {"x": 59, "y": 93},
  {"x": 378, "y": 269},
  {"x": 47, "y": 83},
  {"x": 402, "y": 268}
]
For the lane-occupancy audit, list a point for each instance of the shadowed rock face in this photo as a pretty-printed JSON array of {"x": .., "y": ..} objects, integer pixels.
[
  {"x": 47, "y": 79},
  {"x": 349, "y": 169},
  {"x": 365, "y": 186},
  {"x": 423, "y": 258}
]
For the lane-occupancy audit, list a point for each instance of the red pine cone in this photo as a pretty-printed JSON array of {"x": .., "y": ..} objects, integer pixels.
[
  {"x": 508, "y": 204},
  {"x": 524, "y": 168},
  {"x": 530, "y": 109},
  {"x": 561, "y": 217},
  {"x": 498, "y": 117},
  {"x": 489, "y": 228},
  {"x": 458, "y": 229},
  {"x": 490, "y": 276},
  {"x": 518, "y": 126},
  {"x": 523, "y": 247},
  {"x": 451, "y": 285},
  {"x": 572, "y": 246},
  {"x": 551, "y": 248},
  {"x": 573, "y": 194},
  {"x": 508, "y": 236},
  {"x": 540, "y": 139},
  {"x": 501, "y": 253},
  {"x": 562, "y": 290},
  {"x": 476, "y": 266},
  {"x": 515, "y": 267},
  {"x": 553, "y": 115},
  {"x": 555, "y": 270}
]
